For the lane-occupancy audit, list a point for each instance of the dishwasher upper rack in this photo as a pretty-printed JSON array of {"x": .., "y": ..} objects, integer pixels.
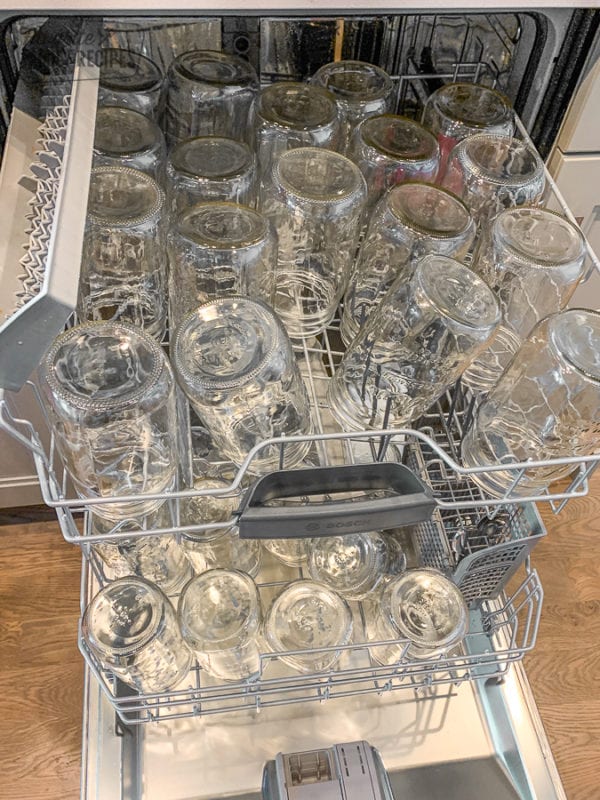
[{"x": 501, "y": 632}]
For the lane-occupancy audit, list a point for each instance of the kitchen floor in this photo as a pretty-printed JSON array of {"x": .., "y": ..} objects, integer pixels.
[{"x": 41, "y": 671}]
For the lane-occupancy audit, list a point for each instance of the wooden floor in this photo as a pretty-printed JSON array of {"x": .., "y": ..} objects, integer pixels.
[{"x": 41, "y": 672}]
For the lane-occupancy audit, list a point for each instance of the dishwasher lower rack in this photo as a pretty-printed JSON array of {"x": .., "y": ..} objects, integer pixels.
[{"x": 501, "y": 631}]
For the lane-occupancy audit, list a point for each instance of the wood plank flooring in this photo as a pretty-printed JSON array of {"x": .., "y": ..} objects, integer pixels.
[{"x": 41, "y": 672}]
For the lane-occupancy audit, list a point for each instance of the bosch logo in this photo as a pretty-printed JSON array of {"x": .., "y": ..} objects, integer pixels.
[{"x": 313, "y": 526}]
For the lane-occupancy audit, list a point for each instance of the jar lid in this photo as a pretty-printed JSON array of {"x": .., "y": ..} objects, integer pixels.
[
  {"x": 123, "y": 617},
  {"x": 121, "y": 197},
  {"x": 472, "y": 104},
  {"x": 354, "y": 81},
  {"x": 103, "y": 365},
  {"x": 125, "y": 71},
  {"x": 123, "y": 132},
  {"x": 222, "y": 226},
  {"x": 399, "y": 138},
  {"x": 215, "y": 68},
  {"x": 430, "y": 210},
  {"x": 316, "y": 175},
  {"x": 211, "y": 157},
  {"x": 297, "y": 105},
  {"x": 540, "y": 236}
]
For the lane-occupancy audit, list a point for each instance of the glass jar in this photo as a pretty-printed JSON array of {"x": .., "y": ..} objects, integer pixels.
[
  {"x": 424, "y": 609},
  {"x": 361, "y": 90},
  {"x": 235, "y": 363},
  {"x": 415, "y": 345},
  {"x": 126, "y": 138},
  {"x": 390, "y": 149},
  {"x": 209, "y": 94},
  {"x": 411, "y": 221},
  {"x": 124, "y": 265},
  {"x": 210, "y": 168},
  {"x": 304, "y": 616},
  {"x": 458, "y": 110},
  {"x": 216, "y": 250},
  {"x": 219, "y": 615},
  {"x": 110, "y": 397},
  {"x": 292, "y": 552},
  {"x": 131, "y": 80},
  {"x": 546, "y": 405},
  {"x": 131, "y": 628},
  {"x": 534, "y": 259},
  {"x": 288, "y": 115},
  {"x": 493, "y": 172},
  {"x": 315, "y": 203}
]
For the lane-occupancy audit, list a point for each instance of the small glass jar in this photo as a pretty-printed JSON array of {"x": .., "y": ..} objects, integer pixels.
[
  {"x": 304, "y": 616},
  {"x": 126, "y": 138},
  {"x": 315, "y": 203},
  {"x": 131, "y": 80},
  {"x": 219, "y": 615},
  {"x": 390, "y": 149},
  {"x": 288, "y": 115},
  {"x": 292, "y": 552},
  {"x": 124, "y": 265},
  {"x": 546, "y": 405},
  {"x": 411, "y": 221},
  {"x": 492, "y": 172},
  {"x": 361, "y": 90},
  {"x": 159, "y": 559},
  {"x": 210, "y": 168},
  {"x": 110, "y": 395},
  {"x": 131, "y": 628},
  {"x": 423, "y": 607},
  {"x": 209, "y": 94},
  {"x": 458, "y": 110},
  {"x": 235, "y": 363},
  {"x": 534, "y": 259},
  {"x": 216, "y": 250},
  {"x": 217, "y": 547},
  {"x": 416, "y": 344}
]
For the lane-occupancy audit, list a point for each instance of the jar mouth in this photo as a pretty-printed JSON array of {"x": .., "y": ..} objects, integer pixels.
[
  {"x": 103, "y": 366},
  {"x": 301, "y": 106},
  {"x": 226, "y": 343},
  {"x": 575, "y": 336},
  {"x": 501, "y": 160},
  {"x": 222, "y": 226},
  {"x": 347, "y": 563},
  {"x": 211, "y": 158},
  {"x": 473, "y": 105},
  {"x": 317, "y": 175},
  {"x": 558, "y": 244},
  {"x": 215, "y": 68},
  {"x": 458, "y": 293},
  {"x": 121, "y": 197},
  {"x": 124, "y": 132},
  {"x": 399, "y": 138},
  {"x": 354, "y": 81},
  {"x": 124, "y": 617},
  {"x": 430, "y": 210},
  {"x": 126, "y": 71}
]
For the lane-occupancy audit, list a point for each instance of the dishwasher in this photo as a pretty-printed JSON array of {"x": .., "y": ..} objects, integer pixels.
[{"x": 456, "y": 727}]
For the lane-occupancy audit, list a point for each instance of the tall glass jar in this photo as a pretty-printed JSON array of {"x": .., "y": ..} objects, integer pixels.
[
  {"x": 126, "y": 138},
  {"x": 131, "y": 80},
  {"x": 288, "y": 115},
  {"x": 209, "y": 94},
  {"x": 124, "y": 265},
  {"x": 210, "y": 168},
  {"x": 315, "y": 201},
  {"x": 110, "y": 396},
  {"x": 390, "y": 149},
  {"x": 411, "y": 221},
  {"x": 234, "y": 361},
  {"x": 546, "y": 405},
  {"x": 361, "y": 90},
  {"x": 220, "y": 249}
]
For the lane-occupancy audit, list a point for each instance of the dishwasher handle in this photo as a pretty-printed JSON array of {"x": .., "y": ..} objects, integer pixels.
[{"x": 398, "y": 498}]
